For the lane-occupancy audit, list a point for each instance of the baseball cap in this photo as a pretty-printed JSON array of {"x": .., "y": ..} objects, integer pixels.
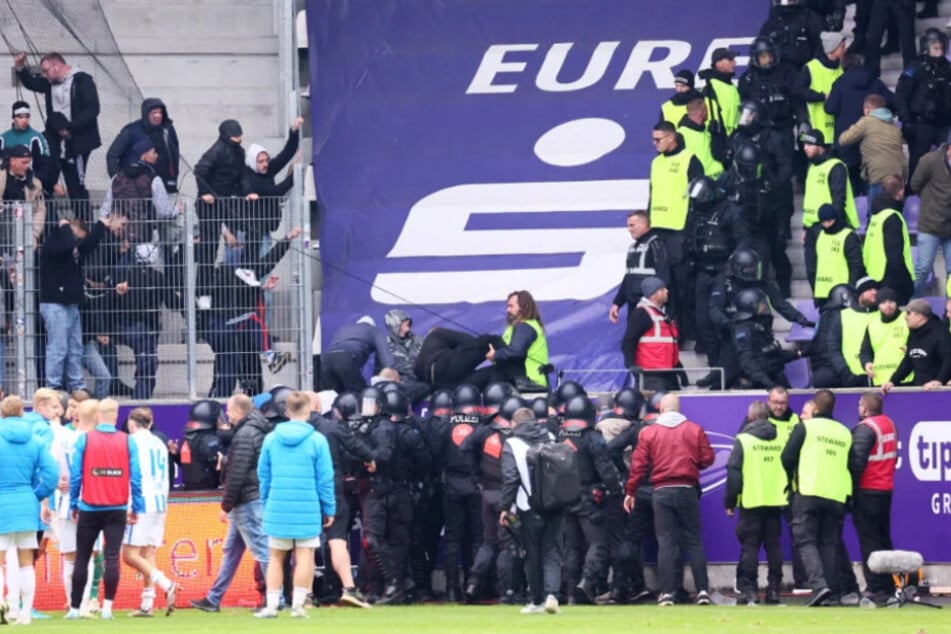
[
  {"x": 812, "y": 137},
  {"x": 721, "y": 54},
  {"x": 920, "y": 306},
  {"x": 684, "y": 76},
  {"x": 651, "y": 285}
]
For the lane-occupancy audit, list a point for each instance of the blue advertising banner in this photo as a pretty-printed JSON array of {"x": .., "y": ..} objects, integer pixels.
[{"x": 464, "y": 149}]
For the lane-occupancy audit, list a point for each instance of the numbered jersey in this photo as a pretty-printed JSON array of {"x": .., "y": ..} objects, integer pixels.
[
  {"x": 63, "y": 447},
  {"x": 153, "y": 464}
]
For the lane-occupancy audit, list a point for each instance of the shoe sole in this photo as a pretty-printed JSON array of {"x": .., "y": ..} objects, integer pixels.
[
  {"x": 170, "y": 599},
  {"x": 140, "y": 615},
  {"x": 353, "y": 602}
]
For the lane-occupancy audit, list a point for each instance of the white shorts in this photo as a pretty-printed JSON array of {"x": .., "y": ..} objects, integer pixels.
[
  {"x": 65, "y": 531},
  {"x": 21, "y": 540},
  {"x": 280, "y": 543},
  {"x": 149, "y": 530}
]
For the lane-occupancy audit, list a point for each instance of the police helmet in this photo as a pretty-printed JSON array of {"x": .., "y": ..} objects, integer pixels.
[
  {"x": 276, "y": 407},
  {"x": 509, "y": 406},
  {"x": 705, "y": 191},
  {"x": 580, "y": 408},
  {"x": 540, "y": 409},
  {"x": 841, "y": 296},
  {"x": 372, "y": 402},
  {"x": 750, "y": 303},
  {"x": 751, "y": 113},
  {"x": 748, "y": 162},
  {"x": 388, "y": 386},
  {"x": 494, "y": 395},
  {"x": 746, "y": 265},
  {"x": 628, "y": 403},
  {"x": 466, "y": 399},
  {"x": 440, "y": 403},
  {"x": 204, "y": 415},
  {"x": 567, "y": 391},
  {"x": 932, "y": 36},
  {"x": 653, "y": 403},
  {"x": 347, "y": 406},
  {"x": 397, "y": 404},
  {"x": 760, "y": 46}
]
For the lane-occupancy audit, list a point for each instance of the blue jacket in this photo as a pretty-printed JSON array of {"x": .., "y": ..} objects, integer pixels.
[
  {"x": 29, "y": 473},
  {"x": 296, "y": 477},
  {"x": 76, "y": 476}
]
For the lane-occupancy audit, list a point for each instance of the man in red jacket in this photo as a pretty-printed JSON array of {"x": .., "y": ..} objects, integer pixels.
[{"x": 673, "y": 450}]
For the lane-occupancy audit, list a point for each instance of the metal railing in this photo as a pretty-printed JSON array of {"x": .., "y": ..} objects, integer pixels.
[{"x": 141, "y": 300}]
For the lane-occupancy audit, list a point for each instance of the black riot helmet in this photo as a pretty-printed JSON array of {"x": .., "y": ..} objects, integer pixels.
[
  {"x": 748, "y": 163},
  {"x": 652, "y": 407},
  {"x": 567, "y": 391},
  {"x": 751, "y": 303},
  {"x": 509, "y": 406},
  {"x": 751, "y": 113},
  {"x": 841, "y": 296},
  {"x": 440, "y": 403},
  {"x": 932, "y": 36},
  {"x": 347, "y": 406},
  {"x": 704, "y": 191},
  {"x": 628, "y": 403},
  {"x": 540, "y": 409},
  {"x": 760, "y": 47},
  {"x": 204, "y": 415},
  {"x": 466, "y": 399},
  {"x": 276, "y": 407},
  {"x": 746, "y": 265},
  {"x": 494, "y": 395},
  {"x": 372, "y": 402},
  {"x": 397, "y": 404},
  {"x": 580, "y": 408}
]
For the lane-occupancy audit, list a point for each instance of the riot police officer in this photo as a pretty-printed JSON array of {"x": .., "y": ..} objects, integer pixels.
[
  {"x": 462, "y": 503},
  {"x": 716, "y": 228},
  {"x": 923, "y": 95},
  {"x": 759, "y": 359},
  {"x": 795, "y": 30},
  {"x": 585, "y": 570},
  {"x": 826, "y": 356},
  {"x": 563, "y": 393},
  {"x": 201, "y": 447},
  {"x": 492, "y": 398}
]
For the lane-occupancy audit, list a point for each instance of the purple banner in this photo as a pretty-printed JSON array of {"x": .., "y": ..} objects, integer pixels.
[{"x": 469, "y": 148}]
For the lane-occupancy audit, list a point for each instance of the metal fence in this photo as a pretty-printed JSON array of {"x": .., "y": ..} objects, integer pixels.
[{"x": 145, "y": 299}]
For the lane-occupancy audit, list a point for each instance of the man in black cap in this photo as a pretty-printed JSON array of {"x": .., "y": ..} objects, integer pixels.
[
  {"x": 17, "y": 183},
  {"x": 927, "y": 351},
  {"x": 655, "y": 337},
  {"x": 674, "y": 109},
  {"x": 833, "y": 254},
  {"x": 722, "y": 96},
  {"x": 827, "y": 181}
]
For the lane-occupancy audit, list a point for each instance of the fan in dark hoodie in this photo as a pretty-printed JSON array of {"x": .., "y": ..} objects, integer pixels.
[
  {"x": 154, "y": 125},
  {"x": 928, "y": 351}
]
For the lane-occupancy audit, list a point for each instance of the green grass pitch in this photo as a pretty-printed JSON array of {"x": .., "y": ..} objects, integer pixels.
[{"x": 573, "y": 619}]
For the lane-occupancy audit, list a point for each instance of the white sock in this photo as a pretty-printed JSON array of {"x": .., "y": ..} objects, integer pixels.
[
  {"x": 299, "y": 596},
  {"x": 13, "y": 581},
  {"x": 27, "y": 587},
  {"x": 68, "y": 567},
  {"x": 107, "y": 607},
  {"x": 157, "y": 576},
  {"x": 148, "y": 599},
  {"x": 273, "y": 599}
]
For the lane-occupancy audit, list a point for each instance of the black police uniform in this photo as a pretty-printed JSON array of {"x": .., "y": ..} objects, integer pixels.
[
  {"x": 647, "y": 256},
  {"x": 829, "y": 368},
  {"x": 832, "y": 13},
  {"x": 882, "y": 14},
  {"x": 584, "y": 521},
  {"x": 198, "y": 455},
  {"x": 757, "y": 359},
  {"x": 922, "y": 98},
  {"x": 796, "y": 31},
  {"x": 428, "y": 513}
]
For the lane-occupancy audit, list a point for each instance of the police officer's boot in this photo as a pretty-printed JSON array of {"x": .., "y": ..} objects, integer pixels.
[
  {"x": 453, "y": 592},
  {"x": 472, "y": 593},
  {"x": 392, "y": 593}
]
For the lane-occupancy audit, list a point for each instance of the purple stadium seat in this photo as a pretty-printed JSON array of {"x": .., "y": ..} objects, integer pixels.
[
  {"x": 911, "y": 210},
  {"x": 937, "y": 305},
  {"x": 798, "y": 334},
  {"x": 861, "y": 207},
  {"x": 797, "y": 372},
  {"x": 808, "y": 308}
]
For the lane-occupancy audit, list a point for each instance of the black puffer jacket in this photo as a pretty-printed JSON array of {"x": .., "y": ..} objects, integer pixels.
[
  {"x": 221, "y": 170},
  {"x": 344, "y": 445},
  {"x": 241, "y": 470}
]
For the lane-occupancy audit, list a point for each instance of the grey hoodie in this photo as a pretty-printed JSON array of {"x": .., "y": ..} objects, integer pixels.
[
  {"x": 670, "y": 419},
  {"x": 403, "y": 349}
]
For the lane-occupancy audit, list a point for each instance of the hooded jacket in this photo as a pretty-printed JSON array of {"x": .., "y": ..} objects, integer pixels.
[
  {"x": 404, "y": 350},
  {"x": 84, "y": 109},
  {"x": 32, "y": 194},
  {"x": 880, "y": 143},
  {"x": 531, "y": 433},
  {"x": 345, "y": 446},
  {"x": 221, "y": 170},
  {"x": 264, "y": 216},
  {"x": 61, "y": 263},
  {"x": 361, "y": 340},
  {"x": 673, "y": 449},
  {"x": 846, "y": 100},
  {"x": 296, "y": 478},
  {"x": 932, "y": 181},
  {"x": 163, "y": 137},
  {"x": 927, "y": 353},
  {"x": 241, "y": 469},
  {"x": 29, "y": 474},
  {"x": 762, "y": 429}
]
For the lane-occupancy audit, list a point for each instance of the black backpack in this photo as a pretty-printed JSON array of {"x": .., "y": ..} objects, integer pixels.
[{"x": 555, "y": 478}]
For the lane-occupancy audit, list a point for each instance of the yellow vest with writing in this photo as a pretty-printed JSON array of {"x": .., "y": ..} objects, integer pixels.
[
  {"x": 764, "y": 479},
  {"x": 832, "y": 268},
  {"x": 669, "y": 199},
  {"x": 873, "y": 249},
  {"x": 888, "y": 347},
  {"x": 824, "y": 460}
]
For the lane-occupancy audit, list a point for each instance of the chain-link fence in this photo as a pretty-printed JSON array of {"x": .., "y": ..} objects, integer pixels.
[{"x": 155, "y": 298}]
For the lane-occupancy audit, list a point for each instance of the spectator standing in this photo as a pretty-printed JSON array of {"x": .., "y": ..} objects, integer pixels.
[
  {"x": 18, "y": 183},
  {"x": 70, "y": 92},
  {"x": 932, "y": 180},
  {"x": 45, "y": 167},
  {"x": 349, "y": 351},
  {"x": 156, "y": 126},
  {"x": 886, "y": 249},
  {"x": 671, "y": 452},
  {"x": 880, "y": 145},
  {"x": 655, "y": 345},
  {"x": 927, "y": 351},
  {"x": 404, "y": 346}
]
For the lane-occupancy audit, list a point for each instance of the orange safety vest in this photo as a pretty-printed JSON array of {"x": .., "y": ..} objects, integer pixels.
[
  {"x": 658, "y": 348},
  {"x": 879, "y": 474}
]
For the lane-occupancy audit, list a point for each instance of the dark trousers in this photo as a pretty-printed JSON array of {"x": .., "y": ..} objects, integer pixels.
[
  {"x": 881, "y": 14},
  {"x": 425, "y": 537},
  {"x": 677, "y": 522},
  {"x": 88, "y": 527},
  {"x": 586, "y": 545},
  {"x": 454, "y": 355},
  {"x": 340, "y": 371},
  {"x": 619, "y": 546},
  {"x": 817, "y": 531},
  {"x": 542, "y": 537},
  {"x": 872, "y": 516},
  {"x": 863, "y": 11},
  {"x": 463, "y": 532},
  {"x": 388, "y": 522},
  {"x": 144, "y": 344},
  {"x": 776, "y": 233},
  {"x": 755, "y": 528},
  {"x": 640, "y": 528},
  {"x": 827, "y": 377},
  {"x": 497, "y": 550},
  {"x": 708, "y": 335},
  {"x": 681, "y": 304},
  {"x": 74, "y": 176},
  {"x": 921, "y": 137},
  {"x": 236, "y": 348},
  {"x": 800, "y": 578},
  {"x": 630, "y": 338}
]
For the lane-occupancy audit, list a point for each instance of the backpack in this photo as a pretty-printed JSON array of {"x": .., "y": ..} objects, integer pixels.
[{"x": 554, "y": 475}]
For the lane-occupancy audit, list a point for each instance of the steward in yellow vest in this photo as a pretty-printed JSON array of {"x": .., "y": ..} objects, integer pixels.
[
  {"x": 819, "y": 74},
  {"x": 884, "y": 345},
  {"x": 671, "y": 172},
  {"x": 525, "y": 351},
  {"x": 887, "y": 247},
  {"x": 833, "y": 254},
  {"x": 697, "y": 138},
  {"x": 720, "y": 93},
  {"x": 827, "y": 181},
  {"x": 834, "y": 351},
  {"x": 674, "y": 109}
]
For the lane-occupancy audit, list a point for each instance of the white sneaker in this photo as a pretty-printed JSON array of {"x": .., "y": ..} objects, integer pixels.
[
  {"x": 73, "y": 614},
  {"x": 531, "y": 608},
  {"x": 204, "y": 302},
  {"x": 551, "y": 605},
  {"x": 299, "y": 613},
  {"x": 247, "y": 276},
  {"x": 24, "y": 619},
  {"x": 266, "y": 613}
]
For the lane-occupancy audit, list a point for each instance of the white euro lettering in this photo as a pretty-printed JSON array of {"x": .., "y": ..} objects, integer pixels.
[{"x": 493, "y": 63}]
